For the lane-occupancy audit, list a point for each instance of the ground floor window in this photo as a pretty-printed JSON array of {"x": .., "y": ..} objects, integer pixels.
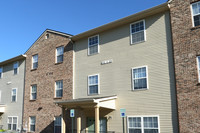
[
  {"x": 32, "y": 123},
  {"x": 12, "y": 123},
  {"x": 57, "y": 124},
  {"x": 143, "y": 124}
]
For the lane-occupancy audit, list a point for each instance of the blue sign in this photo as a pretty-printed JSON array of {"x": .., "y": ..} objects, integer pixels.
[
  {"x": 122, "y": 112},
  {"x": 72, "y": 114}
]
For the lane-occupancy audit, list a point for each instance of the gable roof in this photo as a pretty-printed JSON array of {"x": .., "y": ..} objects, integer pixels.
[
  {"x": 126, "y": 20},
  {"x": 50, "y": 31}
]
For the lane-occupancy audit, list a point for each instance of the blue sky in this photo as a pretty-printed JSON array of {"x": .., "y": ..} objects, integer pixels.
[{"x": 23, "y": 21}]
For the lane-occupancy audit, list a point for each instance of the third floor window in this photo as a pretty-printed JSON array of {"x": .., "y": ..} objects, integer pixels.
[
  {"x": 138, "y": 32},
  {"x": 196, "y": 13},
  {"x": 93, "y": 45},
  {"x": 35, "y": 61},
  {"x": 15, "y": 68},
  {"x": 59, "y": 54},
  {"x": 1, "y": 72}
]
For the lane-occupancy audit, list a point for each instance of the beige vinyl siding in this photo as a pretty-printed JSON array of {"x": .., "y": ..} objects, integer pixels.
[{"x": 115, "y": 78}]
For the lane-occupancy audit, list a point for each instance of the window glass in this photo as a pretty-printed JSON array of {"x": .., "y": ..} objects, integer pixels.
[
  {"x": 93, "y": 44},
  {"x": 15, "y": 68},
  {"x": 59, "y": 88},
  {"x": 35, "y": 62},
  {"x": 93, "y": 84},
  {"x": 196, "y": 13},
  {"x": 140, "y": 78},
  {"x": 59, "y": 54},
  {"x": 137, "y": 32}
]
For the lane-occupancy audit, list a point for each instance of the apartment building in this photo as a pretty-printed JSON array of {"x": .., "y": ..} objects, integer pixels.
[
  {"x": 12, "y": 74},
  {"x": 185, "y": 25},
  {"x": 126, "y": 64},
  {"x": 49, "y": 78}
]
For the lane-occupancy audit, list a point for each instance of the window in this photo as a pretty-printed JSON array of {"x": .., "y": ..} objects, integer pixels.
[
  {"x": 12, "y": 123},
  {"x": 57, "y": 125},
  {"x": 15, "y": 68},
  {"x": 14, "y": 95},
  {"x": 196, "y": 13},
  {"x": 33, "y": 92},
  {"x": 59, "y": 54},
  {"x": 198, "y": 67},
  {"x": 137, "y": 32},
  {"x": 93, "y": 84},
  {"x": 59, "y": 89},
  {"x": 35, "y": 62},
  {"x": 143, "y": 125},
  {"x": 139, "y": 78},
  {"x": 93, "y": 45},
  {"x": 1, "y": 72},
  {"x": 32, "y": 123}
]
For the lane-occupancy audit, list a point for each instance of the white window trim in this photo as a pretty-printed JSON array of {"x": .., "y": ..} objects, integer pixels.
[
  {"x": 142, "y": 116},
  {"x": 54, "y": 123},
  {"x": 147, "y": 76},
  {"x": 58, "y": 89},
  {"x": 30, "y": 123},
  {"x": 57, "y": 55},
  {"x": 192, "y": 14},
  {"x": 98, "y": 84},
  {"x": 1, "y": 73},
  {"x": 33, "y": 62},
  {"x": 198, "y": 69},
  {"x": 17, "y": 67},
  {"x": 136, "y": 32},
  {"x": 12, "y": 122},
  {"x": 31, "y": 92},
  {"x": 12, "y": 95},
  {"x": 97, "y": 45}
]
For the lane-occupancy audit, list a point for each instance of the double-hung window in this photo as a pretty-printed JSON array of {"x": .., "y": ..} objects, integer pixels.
[
  {"x": 1, "y": 72},
  {"x": 93, "y": 45},
  {"x": 33, "y": 92},
  {"x": 59, "y": 88},
  {"x": 35, "y": 61},
  {"x": 93, "y": 84},
  {"x": 57, "y": 124},
  {"x": 59, "y": 54},
  {"x": 139, "y": 78},
  {"x": 143, "y": 124},
  {"x": 12, "y": 123},
  {"x": 14, "y": 95},
  {"x": 137, "y": 32},
  {"x": 15, "y": 68},
  {"x": 196, "y": 13},
  {"x": 32, "y": 123}
]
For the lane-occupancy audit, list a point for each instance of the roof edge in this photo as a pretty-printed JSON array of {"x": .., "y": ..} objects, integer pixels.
[
  {"x": 125, "y": 20},
  {"x": 19, "y": 57}
]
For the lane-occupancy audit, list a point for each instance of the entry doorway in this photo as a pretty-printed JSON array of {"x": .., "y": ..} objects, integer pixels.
[{"x": 102, "y": 125}]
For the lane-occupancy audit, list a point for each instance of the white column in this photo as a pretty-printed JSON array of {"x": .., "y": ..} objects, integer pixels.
[
  {"x": 79, "y": 124},
  {"x": 96, "y": 119},
  {"x": 63, "y": 120}
]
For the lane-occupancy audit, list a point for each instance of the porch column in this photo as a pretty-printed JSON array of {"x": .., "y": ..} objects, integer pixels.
[
  {"x": 96, "y": 119},
  {"x": 63, "y": 120},
  {"x": 78, "y": 124}
]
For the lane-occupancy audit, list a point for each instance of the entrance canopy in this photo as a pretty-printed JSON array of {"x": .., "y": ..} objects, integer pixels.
[{"x": 107, "y": 102}]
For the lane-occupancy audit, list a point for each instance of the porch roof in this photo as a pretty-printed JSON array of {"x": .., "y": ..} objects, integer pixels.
[{"x": 103, "y": 102}]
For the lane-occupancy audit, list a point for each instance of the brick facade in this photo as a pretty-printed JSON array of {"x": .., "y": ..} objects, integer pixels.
[
  {"x": 45, "y": 76},
  {"x": 186, "y": 43}
]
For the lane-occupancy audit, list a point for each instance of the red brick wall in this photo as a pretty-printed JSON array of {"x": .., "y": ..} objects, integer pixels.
[
  {"x": 186, "y": 43},
  {"x": 45, "y": 76}
]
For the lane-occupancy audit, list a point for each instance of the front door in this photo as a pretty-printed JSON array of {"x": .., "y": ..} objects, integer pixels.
[{"x": 91, "y": 125}]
